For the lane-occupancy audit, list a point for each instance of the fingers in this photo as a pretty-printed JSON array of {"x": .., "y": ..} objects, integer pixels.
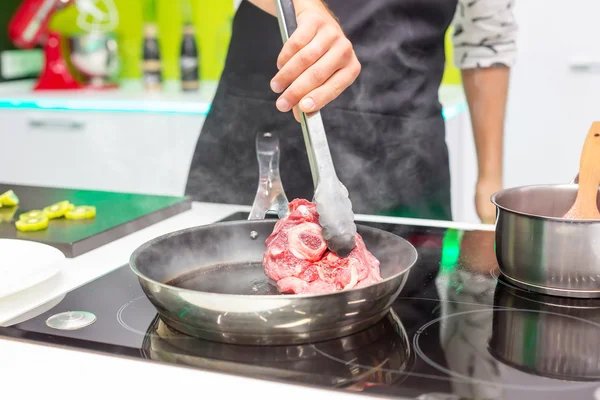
[
  {"x": 323, "y": 81},
  {"x": 303, "y": 35},
  {"x": 296, "y": 114},
  {"x": 303, "y": 59},
  {"x": 331, "y": 89},
  {"x": 316, "y": 64}
]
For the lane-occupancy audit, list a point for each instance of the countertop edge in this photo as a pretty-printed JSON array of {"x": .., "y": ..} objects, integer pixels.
[
  {"x": 131, "y": 98},
  {"x": 98, "y": 376}
]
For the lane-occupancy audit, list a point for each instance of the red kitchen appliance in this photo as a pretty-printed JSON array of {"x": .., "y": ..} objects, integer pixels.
[{"x": 29, "y": 27}]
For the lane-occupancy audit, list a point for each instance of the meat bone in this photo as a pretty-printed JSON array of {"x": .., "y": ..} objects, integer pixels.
[{"x": 331, "y": 196}]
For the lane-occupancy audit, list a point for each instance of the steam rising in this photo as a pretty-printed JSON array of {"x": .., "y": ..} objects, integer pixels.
[{"x": 386, "y": 132}]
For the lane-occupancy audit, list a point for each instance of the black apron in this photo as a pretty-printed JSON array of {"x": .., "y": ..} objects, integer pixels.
[{"x": 386, "y": 132}]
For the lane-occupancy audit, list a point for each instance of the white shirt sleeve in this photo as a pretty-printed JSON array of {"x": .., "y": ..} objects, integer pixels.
[{"x": 485, "y": 33}]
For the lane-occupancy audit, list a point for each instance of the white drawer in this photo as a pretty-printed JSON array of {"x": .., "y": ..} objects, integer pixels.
[{"x": 129, "y": 152}]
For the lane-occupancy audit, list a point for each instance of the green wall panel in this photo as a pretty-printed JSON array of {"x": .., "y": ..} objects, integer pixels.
[{"x": 212, "y": 19}]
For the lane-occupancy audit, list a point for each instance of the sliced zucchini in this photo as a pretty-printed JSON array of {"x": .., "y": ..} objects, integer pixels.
[
  {"x": 33, "y": 214},
  {"x": 9, "y": 199},
  {"x": 81, "y": 212},
  {"x": 7, "y": 213},
  {"x": 58, "y": 210},
  {"x": 32, "y": 224}
]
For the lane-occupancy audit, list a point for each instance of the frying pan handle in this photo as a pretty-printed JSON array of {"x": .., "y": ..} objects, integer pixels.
[{"x": 270, "y": 193}]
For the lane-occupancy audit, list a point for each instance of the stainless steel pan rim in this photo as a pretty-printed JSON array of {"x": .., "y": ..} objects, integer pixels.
[
  {"x": 583, "y": 294},
  {"x": 495, "y": 200},
  {"x": 278, "y": 296}
]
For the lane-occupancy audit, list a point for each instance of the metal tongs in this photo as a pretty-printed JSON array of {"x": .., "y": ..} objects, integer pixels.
[{"x": 331, "y": 196}]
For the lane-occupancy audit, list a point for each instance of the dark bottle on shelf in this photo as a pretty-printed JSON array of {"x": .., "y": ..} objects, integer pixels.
[
  {"x": 151, "y": 64},
  {"x": 189, "y": 60}
]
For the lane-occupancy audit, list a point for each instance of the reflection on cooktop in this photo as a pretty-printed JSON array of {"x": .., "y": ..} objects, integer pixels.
[
  {"x": 457, "y": 331},
  {"x": 547, "y": 336},
  {"x": 379, "y": 355}
]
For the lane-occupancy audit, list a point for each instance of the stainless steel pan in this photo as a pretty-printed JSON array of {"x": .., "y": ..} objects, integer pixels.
[
  {"x": 209, "y": 282},
  {"x": 539, "y": 250},
  {"x": 548, "y": 236}
]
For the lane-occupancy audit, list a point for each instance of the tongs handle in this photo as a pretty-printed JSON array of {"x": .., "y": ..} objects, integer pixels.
[
  {"x": 331, "y": 196},
  {"x": 312, "y": 124}
]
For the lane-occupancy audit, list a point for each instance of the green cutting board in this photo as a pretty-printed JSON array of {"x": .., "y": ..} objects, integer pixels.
[{"x": 117, "y": 215}]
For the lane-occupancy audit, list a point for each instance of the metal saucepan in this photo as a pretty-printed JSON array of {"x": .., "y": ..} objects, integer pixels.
[
  {"x": 538, "y": 249},
  {"x": 548, "y": 236},
  {"x": 209, "y": 282},
  {"x": 548, "y": 336}
]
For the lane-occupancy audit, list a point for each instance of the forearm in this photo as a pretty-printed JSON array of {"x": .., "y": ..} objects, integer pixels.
[{"x": 486, "y": 90}]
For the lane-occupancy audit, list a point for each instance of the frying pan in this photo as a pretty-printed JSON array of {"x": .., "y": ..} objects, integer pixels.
[{"x": 208, "y": 282}]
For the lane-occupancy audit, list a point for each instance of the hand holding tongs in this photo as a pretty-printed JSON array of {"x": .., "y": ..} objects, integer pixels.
[{"x": 331, "y": 196}]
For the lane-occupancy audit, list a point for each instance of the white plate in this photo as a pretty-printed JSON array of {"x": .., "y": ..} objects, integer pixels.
[{"x": 24, "y": 264}]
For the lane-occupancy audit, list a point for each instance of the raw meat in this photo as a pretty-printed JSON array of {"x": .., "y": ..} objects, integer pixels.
[{"x": 297, "y": 257}]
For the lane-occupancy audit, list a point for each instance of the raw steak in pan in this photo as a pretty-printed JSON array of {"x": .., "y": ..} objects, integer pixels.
[{"x": 297, "y": 257}]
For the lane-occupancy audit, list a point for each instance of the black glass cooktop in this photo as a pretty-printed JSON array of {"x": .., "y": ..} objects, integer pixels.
[{"x": 457, "y": 331}]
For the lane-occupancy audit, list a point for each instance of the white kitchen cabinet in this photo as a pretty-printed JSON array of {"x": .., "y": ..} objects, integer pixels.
[
  {"x": 555, "y": 90},
  {"x": 126, "y": 152}
]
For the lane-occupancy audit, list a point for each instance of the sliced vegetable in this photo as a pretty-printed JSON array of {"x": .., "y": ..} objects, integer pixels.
[
  {"x": 33, "y": 214},
  {"x": 7, "y": 213},
  {"x": 58, "y": 210},
  {"x": 9, "y": 199},
  {"x": 32, "y": 224},
  {"x": 81, "y": 212}
]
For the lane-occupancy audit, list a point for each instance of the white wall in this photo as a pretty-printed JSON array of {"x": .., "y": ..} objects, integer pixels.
[
  {"x": 463, "y": 167},
  {"x": 551, "y": 106}
]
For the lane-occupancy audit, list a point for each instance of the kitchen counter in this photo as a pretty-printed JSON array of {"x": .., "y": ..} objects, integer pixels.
[
  {"x": 53, "y": 373},
  {"x": 131, "y": 97},
  {"x": 50, "y": 365}
]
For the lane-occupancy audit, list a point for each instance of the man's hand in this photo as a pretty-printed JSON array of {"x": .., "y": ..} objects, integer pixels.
[
  {"x": 317, "y": 63},
  {"x": 486, "y": 210}
]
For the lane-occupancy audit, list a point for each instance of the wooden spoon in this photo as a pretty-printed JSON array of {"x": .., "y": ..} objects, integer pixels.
[{"x": 585, "y": 206}]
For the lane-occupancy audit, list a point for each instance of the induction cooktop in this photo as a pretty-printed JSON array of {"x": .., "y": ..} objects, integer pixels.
[{"x": 457, "y": 331}]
